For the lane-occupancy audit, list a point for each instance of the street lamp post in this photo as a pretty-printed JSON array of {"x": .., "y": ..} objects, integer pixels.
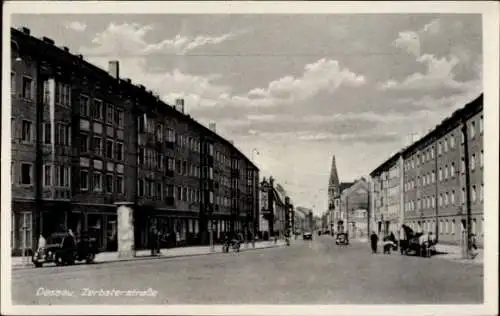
[{"x": 254, "y": 204}]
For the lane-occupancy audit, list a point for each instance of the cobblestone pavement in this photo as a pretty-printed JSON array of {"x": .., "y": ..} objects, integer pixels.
[{"x": 316, "y": 272}]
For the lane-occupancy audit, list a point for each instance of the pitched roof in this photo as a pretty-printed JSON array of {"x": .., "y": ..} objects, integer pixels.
[{"x": 345, "y": 185}]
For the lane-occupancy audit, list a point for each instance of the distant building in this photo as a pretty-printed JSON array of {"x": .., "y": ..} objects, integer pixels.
[
  {"x": 333, "y": 186},
  {"x": 274, "y": 219},
  {"x": 354, "y": 203},
  {"x": 387, "y": 195}
]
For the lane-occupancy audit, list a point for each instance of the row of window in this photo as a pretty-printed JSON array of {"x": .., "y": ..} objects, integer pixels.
[
  {"x": 155, "y": 189},
  {"x": 446, "y": 227},
  {"x": 445, "y": 199},
  {"x": 154, "y": 127},
  {"x": 100, "y": 111},
  {"x": 443, "y": 146},
  {"x": 98, "y": 181},
  {"x": 444, "y": 173},
  {"x": 110, "y": 149},
  {"x": 62, "y": 93},
  {"x": 96, "y": 109}
]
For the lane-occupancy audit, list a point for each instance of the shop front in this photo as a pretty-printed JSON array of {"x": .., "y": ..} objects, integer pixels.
[{"x": 97, "y": 221}]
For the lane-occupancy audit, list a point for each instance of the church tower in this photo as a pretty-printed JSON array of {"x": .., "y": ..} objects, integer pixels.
[{"x": 333, "y": 185}]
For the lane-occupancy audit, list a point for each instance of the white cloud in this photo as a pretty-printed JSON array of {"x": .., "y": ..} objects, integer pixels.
[
  {"x": 433, "y": 27},
  {"x": 128, "y": 40},
  {"x": 324, "y": 75},
  {"x": 76, "y": 26},
  {"x": 408, "y": 41},
  {"x": 439, "y": 75}
]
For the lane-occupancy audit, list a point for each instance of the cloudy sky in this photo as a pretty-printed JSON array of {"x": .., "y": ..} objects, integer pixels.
[{"x": 298, "y": 89}]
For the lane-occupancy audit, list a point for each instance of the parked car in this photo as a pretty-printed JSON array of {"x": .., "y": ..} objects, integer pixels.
[
  {"x": 307, "y": 236},
  {"x": 64, "y": 249}
]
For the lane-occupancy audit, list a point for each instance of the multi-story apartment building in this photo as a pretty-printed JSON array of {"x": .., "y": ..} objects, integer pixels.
[
  {"x": 435, "y": 183},
  {"x": 300, "y": 220},
  {"x": 275, "y": 209},
  {"x": 84, "y": 139},
  {"x": 354, "y": 202},
  {"x": 307, "y": 218},
  {"x": 431, "y": 171},
  {"x": 387, "y": 191}
]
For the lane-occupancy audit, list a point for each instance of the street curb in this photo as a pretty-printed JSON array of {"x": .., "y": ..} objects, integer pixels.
[{"x": 142, "y": 258}]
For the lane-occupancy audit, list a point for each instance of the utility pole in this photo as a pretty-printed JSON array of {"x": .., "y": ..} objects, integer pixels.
[
  {"x": 39, "y": 155},
  {"x": 347, "y": 215},
  {"x": 467, "y": 186},
  {"x": 368, "y": 213}
]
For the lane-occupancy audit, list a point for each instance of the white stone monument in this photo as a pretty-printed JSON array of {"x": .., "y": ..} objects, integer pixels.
[{"x": 125, "y": 219}]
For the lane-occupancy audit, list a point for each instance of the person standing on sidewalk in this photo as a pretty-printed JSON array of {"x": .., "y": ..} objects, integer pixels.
[{"x": 374, "y": 242}]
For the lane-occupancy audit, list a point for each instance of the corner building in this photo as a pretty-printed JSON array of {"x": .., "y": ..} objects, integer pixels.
[{"x": 84, "y": 139}]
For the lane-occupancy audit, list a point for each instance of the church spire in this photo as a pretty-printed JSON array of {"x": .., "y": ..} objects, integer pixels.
[{"x": 334, "y": 177}]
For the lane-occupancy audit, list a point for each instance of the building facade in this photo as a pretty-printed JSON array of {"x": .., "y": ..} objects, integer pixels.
[
  {"x": 433, "y": 174},
  {"x": 300, "y": 220},
  {"x": 387, "y": 192},
  {"x": 354, "y": 203},
  {"x": 275, "y": 218},
  {"x": 435, "y": 192},
  {"x": 84, "y": 139}
]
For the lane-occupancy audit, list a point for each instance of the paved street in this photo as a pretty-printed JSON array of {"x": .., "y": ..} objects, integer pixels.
[{"x": 316, "y": 272}]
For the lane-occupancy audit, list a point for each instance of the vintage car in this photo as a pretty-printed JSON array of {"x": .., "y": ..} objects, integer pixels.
[
  {"x": 307, "y": 236},
  {"x": 64, "y": 249},
  {"x": 342, "y": 239}
]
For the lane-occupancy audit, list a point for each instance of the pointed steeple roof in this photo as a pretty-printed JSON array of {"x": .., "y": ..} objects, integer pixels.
[{"x": 334, "y": 177}]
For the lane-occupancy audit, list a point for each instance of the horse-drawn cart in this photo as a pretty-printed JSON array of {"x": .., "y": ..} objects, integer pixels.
[{"x": 419, "y": 244}]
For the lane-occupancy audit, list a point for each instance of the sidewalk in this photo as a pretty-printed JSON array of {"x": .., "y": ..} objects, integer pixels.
[
  {"x": 22, "y": 262},
  {"x": 453, "y": 253}
]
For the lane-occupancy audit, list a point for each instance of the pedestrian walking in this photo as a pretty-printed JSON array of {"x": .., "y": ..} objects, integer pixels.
[
  {"x": 41, "y": 242},
  {"x": 374, "y": 241},
  {"x": 474, "y": 250}
]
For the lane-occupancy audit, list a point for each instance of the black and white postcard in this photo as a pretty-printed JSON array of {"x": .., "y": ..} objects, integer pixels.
[{"x": 260, "y": 158}]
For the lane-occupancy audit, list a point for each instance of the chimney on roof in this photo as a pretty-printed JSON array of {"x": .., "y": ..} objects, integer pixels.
[
  {"x": 114, "y": 69},
  {"x": 66, "y": 49},
  {"x": 25, "y": 30},
  {"x": 48, "y": 40},
  {"x": 212, "y": 127},
  {"x": 179, "y": 105},
  {"x": 80, "y": 56}
]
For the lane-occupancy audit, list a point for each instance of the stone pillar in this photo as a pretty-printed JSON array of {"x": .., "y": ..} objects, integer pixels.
[{"x": 125, "y": 230}]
